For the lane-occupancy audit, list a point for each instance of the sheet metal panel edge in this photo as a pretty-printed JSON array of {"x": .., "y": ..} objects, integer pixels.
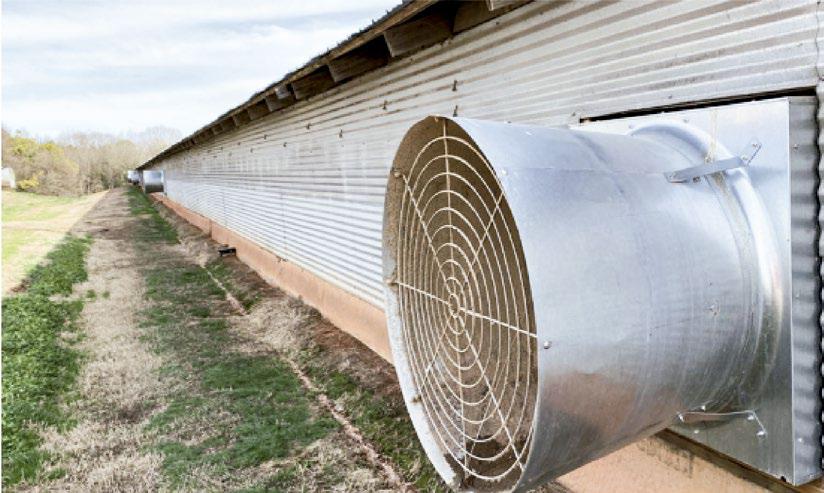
[
  {"x": 820, "y": 114},
  {"x": 820, "y": 230},
  {"x": 308, "y": 183}
]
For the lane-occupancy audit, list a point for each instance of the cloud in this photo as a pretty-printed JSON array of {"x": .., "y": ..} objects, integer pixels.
[{"x": 120, "y": 65}]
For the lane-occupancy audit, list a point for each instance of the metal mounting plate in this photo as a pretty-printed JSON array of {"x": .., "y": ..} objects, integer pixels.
[{"x": 783, "y": 174}]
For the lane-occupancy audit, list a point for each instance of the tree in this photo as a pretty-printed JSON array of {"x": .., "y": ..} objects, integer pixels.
[{"x": 80, "y": 163}]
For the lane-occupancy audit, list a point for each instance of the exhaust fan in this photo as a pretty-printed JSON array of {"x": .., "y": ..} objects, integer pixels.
[
  {"x": 152, "y": 181},
  {"x": 554, "y": 294}
]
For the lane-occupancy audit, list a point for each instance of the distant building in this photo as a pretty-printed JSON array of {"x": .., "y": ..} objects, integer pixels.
[{"x": 8, "y": 178}]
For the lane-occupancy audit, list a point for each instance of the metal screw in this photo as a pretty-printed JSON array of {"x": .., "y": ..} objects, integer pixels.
[{"x": 547, "y": 344}]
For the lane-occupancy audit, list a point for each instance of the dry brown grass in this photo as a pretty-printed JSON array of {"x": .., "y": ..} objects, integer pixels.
[{"x": 276, "y": 323}]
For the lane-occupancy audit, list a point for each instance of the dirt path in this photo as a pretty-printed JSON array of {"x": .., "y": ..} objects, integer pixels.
[
  {"x": 183, "y": 390},
  {"x": 107, "y": 449}
]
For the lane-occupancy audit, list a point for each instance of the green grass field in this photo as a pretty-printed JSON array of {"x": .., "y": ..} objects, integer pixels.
[
  {"x": 39, "y": 362},
  {"x": 22, "y": 206},
  {"x": 32, "y": 225}
]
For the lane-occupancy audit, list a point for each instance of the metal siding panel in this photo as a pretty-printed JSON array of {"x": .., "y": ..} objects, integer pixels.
[
  {"x": 308, "y": 183},
  {"x": 806, "y": 286},
  {"x": 806, "y": 283}
]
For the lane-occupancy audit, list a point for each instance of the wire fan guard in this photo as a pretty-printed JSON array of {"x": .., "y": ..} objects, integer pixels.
[{"x": 465, "y": 306}]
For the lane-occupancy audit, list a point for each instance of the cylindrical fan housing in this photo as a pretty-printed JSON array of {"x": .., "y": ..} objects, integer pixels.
[
  {"x": 152, "y": 181},
  {"x": 552, "y": 296}
]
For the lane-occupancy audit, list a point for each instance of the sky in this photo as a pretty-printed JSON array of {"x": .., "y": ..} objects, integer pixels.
[{"x": 120, "y": 66}]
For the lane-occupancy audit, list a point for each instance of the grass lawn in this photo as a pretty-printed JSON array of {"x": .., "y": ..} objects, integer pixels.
[
  {"x": 39, "y": 362},
  {"x": 32, "y": 225}
]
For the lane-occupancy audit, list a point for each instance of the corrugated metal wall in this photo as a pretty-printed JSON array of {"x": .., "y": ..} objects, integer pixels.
[
  {"x": 806, "y": 282},
  {"x": 308, "y": 183}
]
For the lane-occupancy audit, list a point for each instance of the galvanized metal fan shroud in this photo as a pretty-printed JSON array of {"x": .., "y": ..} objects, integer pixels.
[{"x": 464, "y": 299}]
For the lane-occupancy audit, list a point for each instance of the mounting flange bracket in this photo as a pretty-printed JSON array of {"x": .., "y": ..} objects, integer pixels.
[
  {"x": 691, "y": 417},
  {"x": 695, "y": 172}
]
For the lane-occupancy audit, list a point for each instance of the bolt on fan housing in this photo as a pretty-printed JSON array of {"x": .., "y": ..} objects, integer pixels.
[{"x": 554, "y": 294}]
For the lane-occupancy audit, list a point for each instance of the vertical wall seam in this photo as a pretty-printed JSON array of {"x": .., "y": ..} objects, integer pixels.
[{"x": 820, "y": 198}]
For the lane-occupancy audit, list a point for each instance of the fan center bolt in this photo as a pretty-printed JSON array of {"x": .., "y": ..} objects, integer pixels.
[{"x": 454, "y": 306}]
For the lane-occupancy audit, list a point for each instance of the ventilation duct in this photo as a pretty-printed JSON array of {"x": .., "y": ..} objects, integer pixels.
[
  {"x": 133, "y": 176},
  {"x": 555, "y": 294},
  {"x": 152, "y": 181}
]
